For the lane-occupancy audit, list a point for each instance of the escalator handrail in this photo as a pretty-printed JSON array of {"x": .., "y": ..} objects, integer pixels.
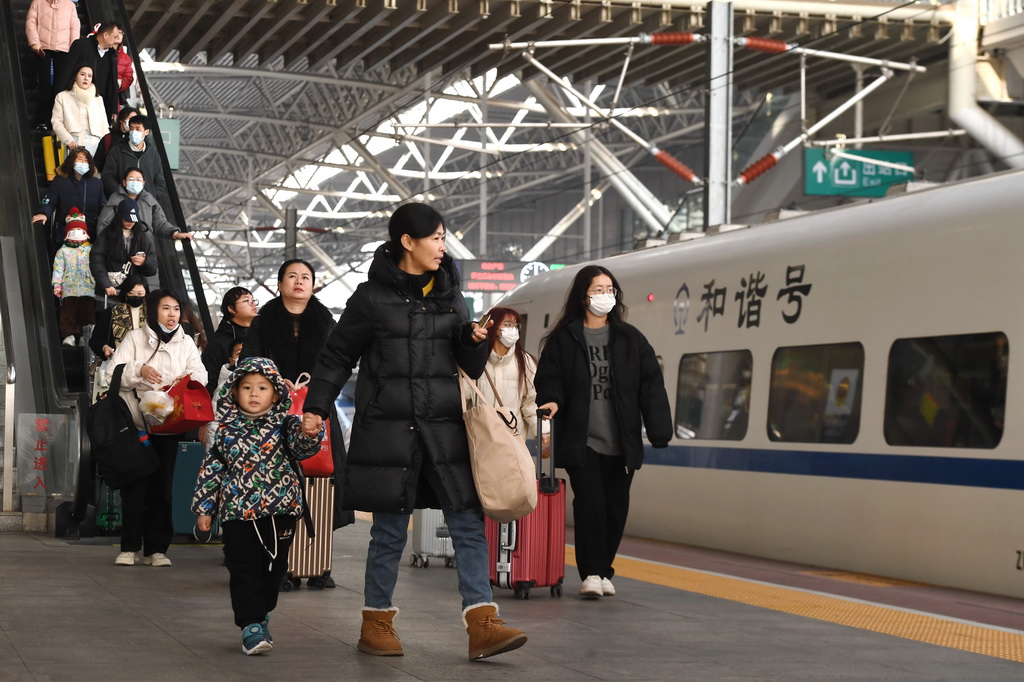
[
  {"x": 20, "y": 196},
  {"x": 116, "y": 9}
]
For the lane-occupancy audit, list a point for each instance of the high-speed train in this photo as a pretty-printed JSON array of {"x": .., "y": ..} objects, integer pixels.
[{"x": 840, "y": 383}]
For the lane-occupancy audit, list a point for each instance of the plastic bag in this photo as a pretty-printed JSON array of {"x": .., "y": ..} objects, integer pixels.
[{"x": 156, "y": 406}]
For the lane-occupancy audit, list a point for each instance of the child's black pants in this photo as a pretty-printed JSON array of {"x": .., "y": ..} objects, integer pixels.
[{"x": 255, "y": 576}]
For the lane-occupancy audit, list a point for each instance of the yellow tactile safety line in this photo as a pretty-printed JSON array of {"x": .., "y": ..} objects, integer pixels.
[{"x": 888, "y": 621}]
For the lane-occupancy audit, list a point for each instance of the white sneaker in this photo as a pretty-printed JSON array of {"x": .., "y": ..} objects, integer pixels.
[
  {"x": 69, "y": 340},
  {"x": 156, "y": 559},
  {"x": 607, "y": 588},
  {"x": 591, "y": 586},
  {"x": 126, "y": 559}
]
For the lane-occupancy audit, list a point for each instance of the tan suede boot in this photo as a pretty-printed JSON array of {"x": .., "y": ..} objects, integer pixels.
[
  {"x": 377, "y": 636},
  {"x": 488, "y": 634}
]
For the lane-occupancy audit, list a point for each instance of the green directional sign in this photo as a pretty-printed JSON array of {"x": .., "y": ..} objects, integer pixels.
[{"x": 855, "y": 172}]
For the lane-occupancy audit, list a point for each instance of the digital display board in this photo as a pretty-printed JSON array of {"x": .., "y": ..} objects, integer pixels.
[{"x": 495, "y": 276}]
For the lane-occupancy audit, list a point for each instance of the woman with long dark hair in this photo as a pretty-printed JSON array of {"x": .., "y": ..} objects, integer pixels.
[
  {"x": 76, "y": 185},
  {"x": 154, "y": 356},
  {"x": 78, "y": 117},
  {"x": 408, "y": 328},
  {"x": 511, "y": 369},
  {"x": 124, "y": 248},
  {"x": 602, "y": 383}
]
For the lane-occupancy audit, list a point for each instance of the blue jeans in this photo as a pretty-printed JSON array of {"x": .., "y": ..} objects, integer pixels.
[{"x": 387, "y": 542}]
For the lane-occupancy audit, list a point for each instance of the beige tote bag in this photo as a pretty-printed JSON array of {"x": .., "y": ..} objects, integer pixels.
[{"x": 503, "y": 470}]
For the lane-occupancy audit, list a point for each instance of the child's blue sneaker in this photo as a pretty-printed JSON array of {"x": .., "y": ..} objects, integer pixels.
[
  {"x": 255, "y": 640},
  {"x": 266, "y": 629}
]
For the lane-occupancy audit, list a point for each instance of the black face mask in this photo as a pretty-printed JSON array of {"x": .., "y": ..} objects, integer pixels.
[{"x": 134, "y": 301}]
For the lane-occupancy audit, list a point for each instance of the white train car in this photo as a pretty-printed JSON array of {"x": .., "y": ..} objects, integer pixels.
[{"x": 839, "y": 382}]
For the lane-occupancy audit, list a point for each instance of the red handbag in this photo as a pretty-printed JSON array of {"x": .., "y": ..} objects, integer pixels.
[
  {"x": 322, "y": 463},
  {"x": 192, "y": 407}
]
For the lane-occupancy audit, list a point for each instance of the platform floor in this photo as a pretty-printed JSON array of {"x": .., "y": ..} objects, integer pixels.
[{"x": 66, "y": 613}]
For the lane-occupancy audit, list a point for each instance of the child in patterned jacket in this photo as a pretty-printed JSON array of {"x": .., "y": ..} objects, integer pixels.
[
  {"x": 248, "y": 480},
  {"x": 72, "y": 280}
]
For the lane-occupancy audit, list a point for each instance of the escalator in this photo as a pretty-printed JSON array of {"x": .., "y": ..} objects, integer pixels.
[{"x": 50, "y": 379}]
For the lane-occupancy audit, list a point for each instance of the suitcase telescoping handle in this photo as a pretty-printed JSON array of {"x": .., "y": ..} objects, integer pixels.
[{"x": 548, "y": 483}]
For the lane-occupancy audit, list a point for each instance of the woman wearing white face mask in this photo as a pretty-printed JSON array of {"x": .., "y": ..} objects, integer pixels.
[
  {"x": 154, "y": 355},
  {"x": 511, "y": 369},
  {"x": 151, "y": 214},
  {"x": 75, "y": 185},
  {"x": 602, "y": 383}
]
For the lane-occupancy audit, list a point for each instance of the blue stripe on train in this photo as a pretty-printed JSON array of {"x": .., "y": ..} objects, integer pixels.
[{"x": 973, "y": 471}]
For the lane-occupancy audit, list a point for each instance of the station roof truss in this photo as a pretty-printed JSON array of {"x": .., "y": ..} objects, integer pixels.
[{"x": 319, "y": 105}]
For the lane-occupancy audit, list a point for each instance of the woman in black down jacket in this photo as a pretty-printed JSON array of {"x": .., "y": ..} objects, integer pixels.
[
  {"x": 407, "y": 327},
  {"x": 601, "y": 377}
]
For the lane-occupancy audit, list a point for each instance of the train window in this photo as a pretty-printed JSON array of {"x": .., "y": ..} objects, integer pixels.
[
  {"x": 713, "y": 395},
  {"x": 815, "y": 393},
  {"x": 947, "y": 391}
]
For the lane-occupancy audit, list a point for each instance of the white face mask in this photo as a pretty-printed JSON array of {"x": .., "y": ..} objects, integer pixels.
[
  {"x": 509, "y": 336},
  {"x": 601, "y": 304},
  {"x": 81, "y": 168},
  {"x": 133, "y": 186},
  {"x": 136, "y": 137}
]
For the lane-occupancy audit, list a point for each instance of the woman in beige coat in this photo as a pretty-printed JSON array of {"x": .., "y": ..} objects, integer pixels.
[
  {"x": 79, "y": 118},
  {"x": 511, "y": 369},
  {"x": 154, "y": 356}
]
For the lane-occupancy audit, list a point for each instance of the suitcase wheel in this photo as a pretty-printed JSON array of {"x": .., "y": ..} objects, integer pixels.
[
  {"x": 416, "y": 561},
  {"x": 521, "y": 593},
  {"x": 316, "y": 583},
  {"x": 286, "y": 585},
  {"x": 449, "y": 562},
  {"x": 426, "y": 562},
  {"x": 296, "y": 582},
  {"x": 556, "y": 590}
]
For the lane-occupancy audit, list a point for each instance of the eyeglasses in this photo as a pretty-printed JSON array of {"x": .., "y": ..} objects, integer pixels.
[
  {"x": 509, "y": 325},
  {"x": 598, "y": 291},
  {"x": 253, "y": 301}
]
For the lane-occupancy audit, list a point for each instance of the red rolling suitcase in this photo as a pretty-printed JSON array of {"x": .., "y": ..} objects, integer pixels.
[{"x": 530, "y": 552}]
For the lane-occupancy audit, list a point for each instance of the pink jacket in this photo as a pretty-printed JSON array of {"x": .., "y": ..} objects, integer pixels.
[{"x": 52, "y": 25}]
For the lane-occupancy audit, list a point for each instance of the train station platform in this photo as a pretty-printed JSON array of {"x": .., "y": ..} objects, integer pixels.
[{"x": 67, "y": 613}]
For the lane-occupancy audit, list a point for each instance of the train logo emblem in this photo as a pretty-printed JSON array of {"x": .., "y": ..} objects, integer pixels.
[{"x": 681, "y": 308}]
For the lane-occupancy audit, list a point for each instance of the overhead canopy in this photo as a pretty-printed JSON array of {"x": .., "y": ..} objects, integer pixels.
[{"x": 283, "y": 103}]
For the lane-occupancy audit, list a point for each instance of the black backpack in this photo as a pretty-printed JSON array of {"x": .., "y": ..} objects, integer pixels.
[{"x": 119, "y": 455}]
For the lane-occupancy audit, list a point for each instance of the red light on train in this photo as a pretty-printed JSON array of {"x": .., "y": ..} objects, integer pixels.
[{"x": 650, "y": 298}]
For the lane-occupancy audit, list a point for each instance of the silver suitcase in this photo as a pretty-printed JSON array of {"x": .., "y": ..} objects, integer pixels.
[{"x": 430, "y": 538}]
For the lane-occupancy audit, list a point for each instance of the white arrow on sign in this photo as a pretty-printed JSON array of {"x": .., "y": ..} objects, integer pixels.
[{"x": 821, "y": 170}]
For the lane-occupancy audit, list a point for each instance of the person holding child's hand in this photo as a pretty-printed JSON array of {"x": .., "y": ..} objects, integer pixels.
[{"x": 250, "y": 483}]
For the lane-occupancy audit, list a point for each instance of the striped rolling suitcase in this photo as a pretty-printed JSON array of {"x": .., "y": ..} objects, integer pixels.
[
  {"x": 530, "y": 552},
  {"x": 312, "y": 557},
  {"x": 430, "y": 538}
]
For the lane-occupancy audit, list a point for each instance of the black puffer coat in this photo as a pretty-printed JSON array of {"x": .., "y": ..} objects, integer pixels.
[
  {"x": 563, "y": 377},
  {"x": 408, "y": 410},
  {"x": 272, "y": 335}
]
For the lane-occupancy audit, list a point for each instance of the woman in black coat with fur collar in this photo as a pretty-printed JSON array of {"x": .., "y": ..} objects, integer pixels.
[{"x": 291, "y": 330}]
